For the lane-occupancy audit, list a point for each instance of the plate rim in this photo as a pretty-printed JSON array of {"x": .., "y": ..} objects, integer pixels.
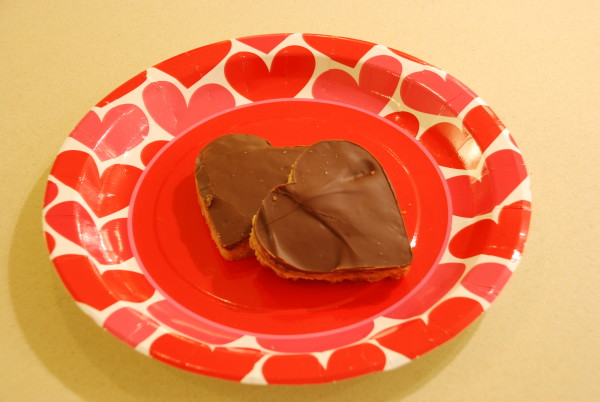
[{"x": 525, "y": 194}]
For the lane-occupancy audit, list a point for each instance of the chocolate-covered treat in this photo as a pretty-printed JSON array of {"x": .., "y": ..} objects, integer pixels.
[
  {"x": 336, "y": 219},
  {"x": 233, "y": 175}
]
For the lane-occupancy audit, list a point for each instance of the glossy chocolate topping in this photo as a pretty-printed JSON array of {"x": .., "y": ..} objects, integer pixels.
[
  {"x": 338, "y": 212},
  {"x": 233, "y": 174}
]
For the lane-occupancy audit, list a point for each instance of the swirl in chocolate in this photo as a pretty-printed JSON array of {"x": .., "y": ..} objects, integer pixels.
[{"x": 337, "y": 213}]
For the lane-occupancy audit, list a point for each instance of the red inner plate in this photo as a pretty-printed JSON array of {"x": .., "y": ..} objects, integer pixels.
[{"x": 173, "y": 246}]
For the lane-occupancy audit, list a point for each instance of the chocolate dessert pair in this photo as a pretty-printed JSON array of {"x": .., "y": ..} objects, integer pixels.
[{"x": 325, "y": 211}]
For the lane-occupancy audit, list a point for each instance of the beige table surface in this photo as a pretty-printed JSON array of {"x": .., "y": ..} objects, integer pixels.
[{"x": 536, "y": 63}]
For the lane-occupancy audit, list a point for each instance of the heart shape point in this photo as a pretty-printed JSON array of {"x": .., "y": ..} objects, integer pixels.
[
  {"x": 50, "y": 242},
  {"x": 415, "y": 337},
  {"x": 343, "y": 50},
  {"x": 483, "y": 124},
  {"x": 150, "y": 151},
  {"x": 406, "y": 120},
  {"x": 502, "y": 173},
  {"x": 284, "y": 369},
  {"x": 51, "y": 193},
  {"x": 202, "y": 358},
  {"x": 338, "y": 212},
  {"x": 377, "y": 81},
  {"x": 264, "y": 43},
  {"x": 429, "y": 92}
]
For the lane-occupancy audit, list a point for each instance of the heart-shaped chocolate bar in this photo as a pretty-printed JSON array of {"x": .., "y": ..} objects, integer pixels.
[
  {"x": 233, "y": 174},
  {"x": 337, "y": 218}
]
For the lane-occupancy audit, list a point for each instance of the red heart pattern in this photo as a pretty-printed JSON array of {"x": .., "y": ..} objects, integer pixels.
[
  {"x": 130, "y": 325},
  {"x": 128, "y": 285},
  {"x": 167, "y": 313},
  {"x": 427, "y": 92},
  {"x": 483, "y": 124},
  {"x": 451, "y": 147},
  {"x": 83, "y": 281},
  {"x": 443, "y": 278},
  {"x": 487, "y": 280},
  {"x": 286, "y": 369},
  {"x": 502, "y": 173},
  {"x": 168, "y": 107},
  {"x": 104, "y": 194},
  {"x": 150, "y": 151},
  {"x": 504, "y": 239},
  {"x": 51, "y": 193},
  {"x": 356, "y": 360},
  {"x": 189, "y": 67},
  {"x": 124, "y": 89},
  {"x": 108, "y": 245},
  {"x": 291, "y": 69},
  {"x": 264, "y": 43},
  {"x": 344, "y": 51},
  {"x": 414, "y": 338},
  {"x": 406, "y": 120},
  {"x": 50, "y": 242},
  {"x": 305, "y": 369},
  {"x": 377, "y": 81},
  {"x": 88, "y": 286},
  {"x": 229, "y": 363},
  {"x": 316, "y": 344},
  {"x": 122, "y": 129}
]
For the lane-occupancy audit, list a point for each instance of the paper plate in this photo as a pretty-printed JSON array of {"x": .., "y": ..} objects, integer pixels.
[{"x": 128, "y": 240}]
